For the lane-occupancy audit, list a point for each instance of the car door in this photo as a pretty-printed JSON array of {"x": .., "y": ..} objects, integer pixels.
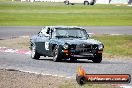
[
  {"x": 42, "y": 42},
  {"x": 48, "y": 42}
]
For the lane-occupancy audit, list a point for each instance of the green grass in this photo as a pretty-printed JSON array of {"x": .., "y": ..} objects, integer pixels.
[
  {"x": 5, "y": 0},
  {"x": 120, "y": 45},
  {"x": 25, "y": 13}
]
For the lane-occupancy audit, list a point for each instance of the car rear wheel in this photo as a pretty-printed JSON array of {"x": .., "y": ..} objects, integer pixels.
[
  {"x": 34, "y": 54},
  {"x": 97, "y": 58},
  {"x": 92, "y": 2},
  {"x": 56, "y": 54},
  {"x": 66, "y": 2},
  {"x": 86, "y": 3}
]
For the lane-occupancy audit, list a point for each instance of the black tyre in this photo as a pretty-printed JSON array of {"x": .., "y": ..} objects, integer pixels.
[
  {"x": 97, "y": 58},
  {"x": 56, "y": 54},
  {"x": 92, "y": 3},
  {"x": 66, "y": 2},
  {"x": 86, "y": 3},
  {"x": 34, "y": 54}
]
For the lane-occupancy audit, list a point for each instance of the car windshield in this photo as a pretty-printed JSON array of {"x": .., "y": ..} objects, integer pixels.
[{"x": 70, "y": 33}]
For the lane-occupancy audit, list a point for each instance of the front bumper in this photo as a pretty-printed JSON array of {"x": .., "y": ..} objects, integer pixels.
[{"x": 80, "y": 54}]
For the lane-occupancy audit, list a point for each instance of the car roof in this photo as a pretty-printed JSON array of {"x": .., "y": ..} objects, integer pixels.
[{"x": 64, "y": 27}]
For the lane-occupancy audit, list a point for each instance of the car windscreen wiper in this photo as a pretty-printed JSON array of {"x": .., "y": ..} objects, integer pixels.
[
  {"x": 68, "y": 36},
  {"x": 74, "y": 36},
  {"x": 61, "y": 36}
]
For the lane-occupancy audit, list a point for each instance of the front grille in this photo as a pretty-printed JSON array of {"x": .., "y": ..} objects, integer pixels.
[
  {"x": 84, "y": 50},
  {"x": 90, "y": 48},
  {"x": 87, "y": 46}
]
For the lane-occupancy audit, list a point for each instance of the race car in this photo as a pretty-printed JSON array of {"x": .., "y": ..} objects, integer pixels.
[{"x": 65, "y": 43}]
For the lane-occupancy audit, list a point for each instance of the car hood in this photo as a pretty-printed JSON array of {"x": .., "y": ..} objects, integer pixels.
[{"x": 80, "y": 41}]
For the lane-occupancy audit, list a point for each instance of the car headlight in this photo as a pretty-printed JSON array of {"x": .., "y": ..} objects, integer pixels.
[
  {"x": 100, "y": 47},
  {"x": 65, "y": 46}
]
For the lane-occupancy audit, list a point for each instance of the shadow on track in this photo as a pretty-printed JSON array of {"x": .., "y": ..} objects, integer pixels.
[
  {"x": 108, "y": 62},
  {"x": 66, "y": 61}
]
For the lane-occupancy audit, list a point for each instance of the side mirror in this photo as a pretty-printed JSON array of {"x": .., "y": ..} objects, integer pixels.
[{"x": 90, "y": 35}]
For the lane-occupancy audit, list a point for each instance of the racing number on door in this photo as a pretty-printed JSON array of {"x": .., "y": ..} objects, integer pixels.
[{"x": 46, "y": 45}]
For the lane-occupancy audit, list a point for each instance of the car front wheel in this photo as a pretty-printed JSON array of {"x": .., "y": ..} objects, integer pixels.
[
  {"x": 92, "y": 3},
  {"x": 86, "y": 3},
  {"x": 56, "y": 54},
  {"x": 34, "y": 54},
  {"x": 97, "y": 58}
]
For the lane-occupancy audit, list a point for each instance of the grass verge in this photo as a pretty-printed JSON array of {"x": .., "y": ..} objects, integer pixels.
[
  {"x": 116, "y": 45},
  {"x": 16, "y": 43},
  {"x": 15, "y": 79},
  {"x": 42, "y": 13}
]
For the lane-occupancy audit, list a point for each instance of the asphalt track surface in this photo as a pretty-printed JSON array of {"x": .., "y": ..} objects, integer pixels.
[
  {"x": 67, "y": 69},
  {"x": 15, "y": 31}
]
